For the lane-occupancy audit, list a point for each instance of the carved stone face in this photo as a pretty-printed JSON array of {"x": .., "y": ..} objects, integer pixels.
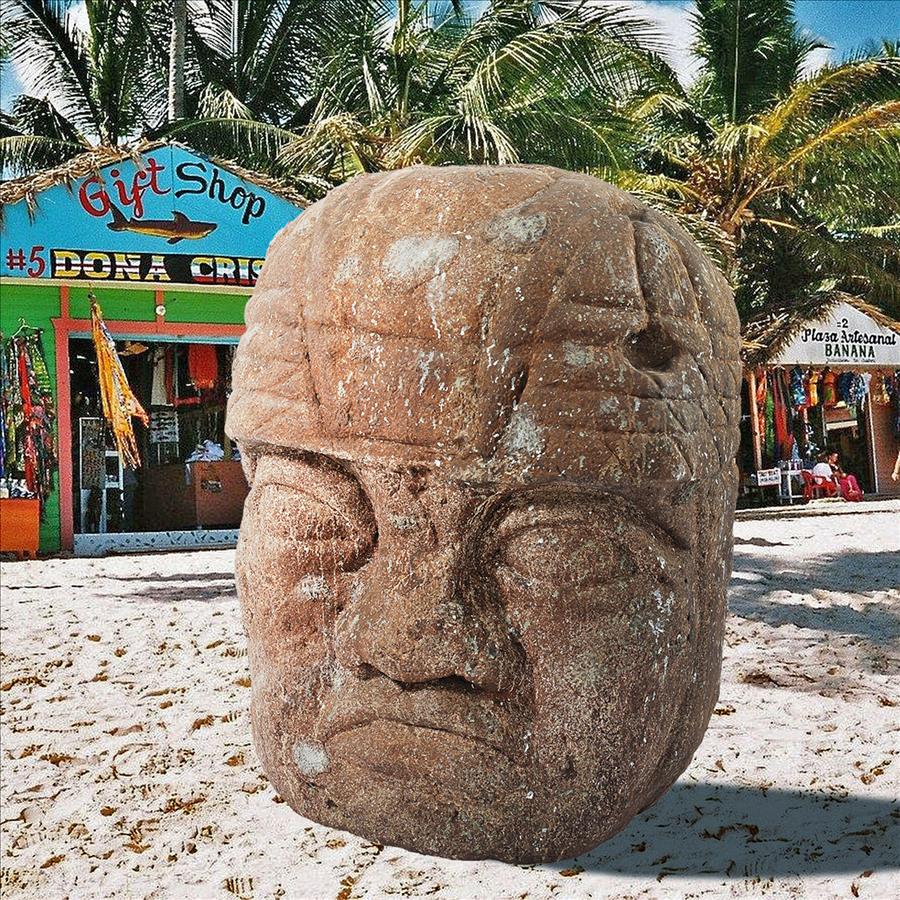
[{"x": 489, "y": 420}]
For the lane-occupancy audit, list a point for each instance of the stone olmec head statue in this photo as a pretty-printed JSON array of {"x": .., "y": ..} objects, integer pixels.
[{"x": 490, "y": 417}]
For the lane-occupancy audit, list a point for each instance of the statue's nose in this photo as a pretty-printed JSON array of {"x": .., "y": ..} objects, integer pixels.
[{"x": 426, "y": 617}]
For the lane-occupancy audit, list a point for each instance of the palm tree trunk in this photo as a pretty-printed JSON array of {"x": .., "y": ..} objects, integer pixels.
[{"x": 176, "y": 60}]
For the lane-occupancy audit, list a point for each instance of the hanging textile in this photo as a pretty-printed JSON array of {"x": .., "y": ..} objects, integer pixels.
[
  {"x": 859, "y": 388},
  {"x": 798, "y": 389},
  {"x": 27, "y": 447},
  {"x": 892, "y": 386},
  {"x": 814, "y": 388},
  {"x": 119, "y": 403},
  {"x": 784, "y": 437},
  {"x": 4, "y": 379},
  {"x": 203, "y": 366},
  {"x": 829, "y": 391},
  {"x": 844, "y": 383},
  {"x": 172, "y": 381}
]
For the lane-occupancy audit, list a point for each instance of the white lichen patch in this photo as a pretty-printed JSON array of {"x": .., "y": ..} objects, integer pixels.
[
  {"x": 518, "y": 231},
  {"x": 313, "y": 587},
  {"x": 419, "y": 255},
  {"x": 310, "y": 757},
  {"x": 404, "y": 522},
  {"x": 577, "y": 354},
  {"x": 523, "y": 438},
  {"x": 350, "y": 267}
]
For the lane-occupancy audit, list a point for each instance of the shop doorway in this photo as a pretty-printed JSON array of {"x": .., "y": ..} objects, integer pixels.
[
  {"x": 189, "y": 488},
  {"x": 846, "y": 429}
]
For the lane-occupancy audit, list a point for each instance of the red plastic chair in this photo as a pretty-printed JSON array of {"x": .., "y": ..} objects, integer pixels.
[{"x": 814, "y": 486}]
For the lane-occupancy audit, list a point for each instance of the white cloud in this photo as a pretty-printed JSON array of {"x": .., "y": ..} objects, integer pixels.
[
  {"x": 672, "y": 19},
  {"x": 79, "y": 15},
  {"x": 821, "y": 56}
]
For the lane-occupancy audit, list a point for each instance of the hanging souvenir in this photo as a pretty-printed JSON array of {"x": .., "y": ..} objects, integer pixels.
[
  {"x": 844, "y": 385},
  {"x": 798, "y": 391},
  {"x": 26, "y": 414},
  {"x": 814, "y": 388},
  {"x": 880, "y": 389},
  {"x": 203, "y": 366},
  {"x": 829, "y": 389},
  {"x": 119, "y": 403}
]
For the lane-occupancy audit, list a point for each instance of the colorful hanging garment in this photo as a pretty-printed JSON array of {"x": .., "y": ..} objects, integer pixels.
[
  {"x": 829, "y": 392},
  {"x": 4, "y": 378},
  {"x": 783, "y": 436},
  {"x": 858, "y": 389},
  {"x": 27, "y": 447},
  {"x": 892, "y": 385},
  {"x": 844, "y": 384},
  {"x": 769, "y": 419},
  {"x": 814, "y": 388},
  {"x": 798, "y": 390},
  {"x": 119, "y": 403},
  {"x": 203, "y": 366}
]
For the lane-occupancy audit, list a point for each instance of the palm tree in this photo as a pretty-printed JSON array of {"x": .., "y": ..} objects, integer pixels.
[
  {"x": 796, "y": 171},
  {"x": 390, "y": 83},
  {"x": 101, "y": 85},
  {"x": 176, "y": 59}
]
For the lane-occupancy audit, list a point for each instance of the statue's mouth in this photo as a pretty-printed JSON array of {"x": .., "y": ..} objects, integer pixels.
[{"x": 450, "y": 708}]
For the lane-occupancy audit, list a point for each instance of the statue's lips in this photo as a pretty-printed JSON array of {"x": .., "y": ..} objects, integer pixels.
[
  {"x": 437, "y": 760},
  {"x": 450, "y": 713}
]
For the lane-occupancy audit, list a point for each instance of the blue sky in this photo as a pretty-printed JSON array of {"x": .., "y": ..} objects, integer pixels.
[
  {"x": 846, "y": 24},
  {"x": 843, "y": 24}
]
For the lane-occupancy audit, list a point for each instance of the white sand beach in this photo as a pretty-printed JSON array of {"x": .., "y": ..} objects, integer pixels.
[{"x": 127, "y": 767}]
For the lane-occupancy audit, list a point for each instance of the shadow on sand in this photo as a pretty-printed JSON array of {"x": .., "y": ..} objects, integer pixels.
[
  {"x": 731, "y": 831},
  {"x": 756, "y": 577}
]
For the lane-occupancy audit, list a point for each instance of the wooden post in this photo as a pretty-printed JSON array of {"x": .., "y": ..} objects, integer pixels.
[{"x": 754, "y": 421}]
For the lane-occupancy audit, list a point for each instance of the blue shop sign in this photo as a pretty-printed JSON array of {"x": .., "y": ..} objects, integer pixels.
[{"x": 173, "y": 217}]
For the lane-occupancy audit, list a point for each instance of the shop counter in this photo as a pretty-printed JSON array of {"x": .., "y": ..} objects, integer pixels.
[{"x": 188, "y": 496}]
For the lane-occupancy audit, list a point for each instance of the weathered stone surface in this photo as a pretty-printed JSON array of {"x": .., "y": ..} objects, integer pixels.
[{"x": 490, "y": 418}]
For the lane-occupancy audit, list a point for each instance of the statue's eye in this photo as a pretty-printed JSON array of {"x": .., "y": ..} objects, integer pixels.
[
  {"x": 310, "y": 513},
  {"x": 301, "y": 528},
  {"x": 567, "y": 554}
]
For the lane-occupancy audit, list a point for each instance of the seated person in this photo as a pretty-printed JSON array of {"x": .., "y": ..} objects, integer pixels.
[
  {"x": 823, "y": 476},
  {"x": 847, "y": 484},
  {"x": 822, "y": 469}
]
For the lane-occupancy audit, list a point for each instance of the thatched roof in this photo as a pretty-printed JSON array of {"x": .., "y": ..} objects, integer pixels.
[
  {"x": 771, "y": 331},
  {"x": 92, "y": 161}
]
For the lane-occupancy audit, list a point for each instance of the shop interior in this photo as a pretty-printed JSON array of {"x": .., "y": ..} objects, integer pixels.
[
  {"x": 189, "y": 476},
  {"x": 802, "y": 412}
]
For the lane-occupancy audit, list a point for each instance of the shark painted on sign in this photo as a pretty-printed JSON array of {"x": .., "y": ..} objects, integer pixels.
[{"x": 179, "y": 228}]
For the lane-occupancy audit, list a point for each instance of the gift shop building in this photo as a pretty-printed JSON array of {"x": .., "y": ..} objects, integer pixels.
[
  {"x": 166, "y": 245},
  {"x": 820, "y": 379}
]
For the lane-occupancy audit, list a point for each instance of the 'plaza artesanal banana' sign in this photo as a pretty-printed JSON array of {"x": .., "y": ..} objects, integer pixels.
[
  {"x": 175, "y": 218},
  {"x": 844, "y": 336}
]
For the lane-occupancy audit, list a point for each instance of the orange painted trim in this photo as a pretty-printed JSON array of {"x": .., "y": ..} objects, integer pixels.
[
  {"x": 64, "y": 327},
  {"x": 64, "y": 423},
  {"x": 148, "y": 331}
]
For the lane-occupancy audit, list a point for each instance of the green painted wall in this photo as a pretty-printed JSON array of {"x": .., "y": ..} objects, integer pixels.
[
  {"x": 214, "y": 309},
  {"x": 137, "y": 305},
  {"x": 38, "y": 303}
]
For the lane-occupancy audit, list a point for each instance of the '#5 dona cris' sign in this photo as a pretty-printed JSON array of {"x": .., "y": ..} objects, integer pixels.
[{"x": 175, "y": 218}]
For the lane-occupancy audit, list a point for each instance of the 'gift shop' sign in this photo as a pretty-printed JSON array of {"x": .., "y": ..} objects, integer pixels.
[{"x": 171, "y": 217}]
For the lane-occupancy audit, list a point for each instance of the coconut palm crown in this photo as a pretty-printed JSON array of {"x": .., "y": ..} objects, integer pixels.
[{"x": 796, "y": 170}]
